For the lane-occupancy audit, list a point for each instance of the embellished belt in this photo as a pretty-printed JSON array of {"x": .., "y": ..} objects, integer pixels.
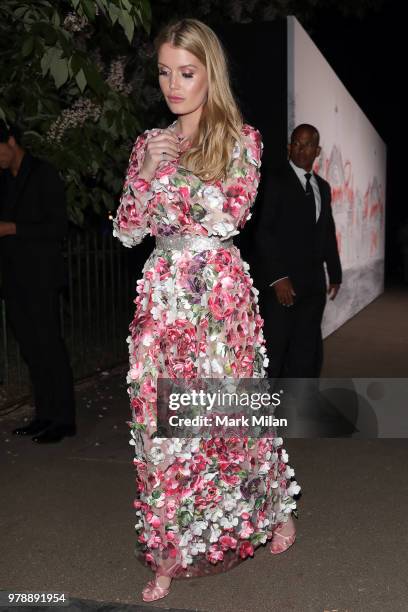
[{"x": 190, "y": 242}]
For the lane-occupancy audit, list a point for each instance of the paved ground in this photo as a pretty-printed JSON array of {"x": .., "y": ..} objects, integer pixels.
[
  {"x": 66, "y": 521},
  {"x": 374, "y": 343}
]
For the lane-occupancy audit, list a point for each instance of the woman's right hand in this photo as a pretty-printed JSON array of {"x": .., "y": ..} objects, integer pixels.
[{"x": 163, "y": 147}]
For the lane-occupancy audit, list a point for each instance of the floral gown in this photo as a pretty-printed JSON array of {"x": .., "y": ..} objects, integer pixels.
[{"x": 202, "y": 504}]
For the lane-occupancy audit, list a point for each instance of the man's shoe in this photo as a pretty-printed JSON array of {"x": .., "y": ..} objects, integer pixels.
[
  {"x": 55, "y": 433},
  {"x": 33, "y": 428}
]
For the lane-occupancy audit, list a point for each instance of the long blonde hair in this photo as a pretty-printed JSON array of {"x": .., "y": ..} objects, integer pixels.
[{"x": 221, "y": 120}]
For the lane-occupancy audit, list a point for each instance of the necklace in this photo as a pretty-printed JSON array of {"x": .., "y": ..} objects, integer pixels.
[{"x": 184, "y": 139}]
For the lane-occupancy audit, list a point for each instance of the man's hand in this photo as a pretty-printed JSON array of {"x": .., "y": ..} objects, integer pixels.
[
  {"x": 333, "y": 290},
  {"x": 7, "y": 229},
  {"x": 284, "y": 292}
]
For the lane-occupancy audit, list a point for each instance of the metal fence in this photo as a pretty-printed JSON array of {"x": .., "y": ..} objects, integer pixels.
[{"x": 95, "y": 310}]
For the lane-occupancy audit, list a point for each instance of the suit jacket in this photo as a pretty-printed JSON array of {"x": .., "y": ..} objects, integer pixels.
[
  {"x": 289, "y": 242},
  {"x": 33, "y": 257}
]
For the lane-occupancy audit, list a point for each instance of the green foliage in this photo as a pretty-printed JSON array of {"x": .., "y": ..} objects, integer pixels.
[{"x": 63, "y": 80}]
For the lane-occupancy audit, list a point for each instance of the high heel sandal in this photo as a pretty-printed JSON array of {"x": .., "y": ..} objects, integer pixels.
[
  {"x": 153, "y": 590},
  {"x": 284, "y": 541}
]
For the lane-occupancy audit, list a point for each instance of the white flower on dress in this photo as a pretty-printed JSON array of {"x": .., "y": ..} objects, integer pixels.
[
  {"x": 229, "y": 503},
  {"x": 213, "y": 198},
  {"x": 175, "y": 446},
  {"x": 263, "y": 523},
  {"x": 186, "y": 538},
  {"x": 155, "y": 455},
  {"x": 228, "y": 523},
  {"x": 224, "y": 229},
  {"x": 293, "y": 488},
  {"x": 214, "y": 515},
  {"x": 156, "y": 312},
  {"x": 291, "y": 505},
  {"x": 262, "y": 539},
  {"x": 169, "y": 285},
  {"x": 171, "y": 316},
  {"x": 215, "y": 533},
  {"x": 134, "y": 435},
  {"x": 198, "y": 527},
  {"x": 264, "y": 468},
  {"x": 129, "y": 239},
  {"x": 163, "y": 180},
  {"x": 184, "y": 303},
  {"x": 284, "y": 456},
  {"x": 147, "y": 339},
  {"x": 209, "y": 475},
  {"x": 186, "y": 558},
  {"x": 215, "y": 222},
  {"x": 197, "y": 547},
  {"x": 156, "y": 294}
]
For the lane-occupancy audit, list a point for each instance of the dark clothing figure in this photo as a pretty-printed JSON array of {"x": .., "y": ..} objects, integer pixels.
[
  {"x": 32, "y": 274},
  {"x": 293, "y": 241}
]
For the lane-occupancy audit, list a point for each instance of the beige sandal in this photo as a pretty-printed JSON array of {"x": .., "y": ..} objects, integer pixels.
[{"x": 281, "y": 542}]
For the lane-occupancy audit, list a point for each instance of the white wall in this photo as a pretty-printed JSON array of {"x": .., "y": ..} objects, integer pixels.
[{"x": 353, "y": 160}]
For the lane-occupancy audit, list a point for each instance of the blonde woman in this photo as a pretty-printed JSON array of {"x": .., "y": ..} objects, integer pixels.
[{"x": 202, "y": 505}]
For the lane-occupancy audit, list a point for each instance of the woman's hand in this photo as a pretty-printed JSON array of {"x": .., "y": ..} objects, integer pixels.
[{"x": 163, "y": 147}]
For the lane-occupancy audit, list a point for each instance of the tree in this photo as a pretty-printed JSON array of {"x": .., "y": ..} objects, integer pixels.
[{"x": 63, "y": 80}]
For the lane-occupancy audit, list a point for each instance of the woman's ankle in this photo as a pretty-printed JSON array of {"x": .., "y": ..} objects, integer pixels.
[
  {"x": 287, "y": 526},
  {"x": 163, "y": 581}
]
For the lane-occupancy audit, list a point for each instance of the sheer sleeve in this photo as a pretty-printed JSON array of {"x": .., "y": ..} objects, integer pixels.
[
  {"x": 228, "y": 202},
  {"x": 131, "y": 222}
]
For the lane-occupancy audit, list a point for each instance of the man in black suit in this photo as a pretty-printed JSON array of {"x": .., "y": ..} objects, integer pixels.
[
  {"x": 295, "y": 237},
  {"x": 33, "y": 222}
]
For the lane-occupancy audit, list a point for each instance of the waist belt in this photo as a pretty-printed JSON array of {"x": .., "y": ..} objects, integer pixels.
[{"x": 192, "y": 243}]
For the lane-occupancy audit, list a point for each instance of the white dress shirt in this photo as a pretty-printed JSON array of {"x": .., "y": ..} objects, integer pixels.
[{"x": 301, "y": 174}]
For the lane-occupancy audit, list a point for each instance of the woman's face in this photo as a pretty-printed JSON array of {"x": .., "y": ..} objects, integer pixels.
[{"x": 183, "y": 80}]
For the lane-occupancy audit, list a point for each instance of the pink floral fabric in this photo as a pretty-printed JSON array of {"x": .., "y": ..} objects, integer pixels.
[{"x": 202, "y": 504}]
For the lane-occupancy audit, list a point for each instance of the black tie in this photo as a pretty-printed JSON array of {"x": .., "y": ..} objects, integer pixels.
[{"x": 310, "y": 195}]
